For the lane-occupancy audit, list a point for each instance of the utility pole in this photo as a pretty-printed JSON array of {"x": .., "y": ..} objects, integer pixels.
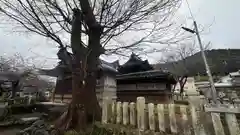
[
  {"x": 213, "y": 90},
  {"x": 195, "y": 31}
]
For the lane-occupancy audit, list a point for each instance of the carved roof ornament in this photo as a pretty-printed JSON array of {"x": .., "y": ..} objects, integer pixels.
[
  {"x": 135, "y": 57},
  {"x": 64, "y": 56}
]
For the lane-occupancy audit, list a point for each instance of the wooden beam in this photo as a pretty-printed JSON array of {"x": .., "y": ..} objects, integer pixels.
[{"x": 221, "y": 109}]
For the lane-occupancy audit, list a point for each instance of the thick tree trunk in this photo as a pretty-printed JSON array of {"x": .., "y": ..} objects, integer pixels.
[{"x": 84, "y": 108}]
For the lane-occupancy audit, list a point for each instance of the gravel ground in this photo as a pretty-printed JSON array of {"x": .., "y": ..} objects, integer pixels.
[
  {"x": 14, "y": 130},
  {"x": 194, "y": 100},
  {"x": 10, "y": 131}
]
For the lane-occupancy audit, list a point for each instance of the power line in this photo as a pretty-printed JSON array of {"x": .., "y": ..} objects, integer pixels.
[{"x": 190, "y": 11}]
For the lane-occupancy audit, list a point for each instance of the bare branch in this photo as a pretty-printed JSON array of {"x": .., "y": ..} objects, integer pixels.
[
  {"x": 53, "y": 19},
  {"x": 176, "y": 55}
]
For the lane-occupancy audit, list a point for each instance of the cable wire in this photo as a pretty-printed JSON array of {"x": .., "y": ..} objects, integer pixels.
[{"x": 190, "y": 11}]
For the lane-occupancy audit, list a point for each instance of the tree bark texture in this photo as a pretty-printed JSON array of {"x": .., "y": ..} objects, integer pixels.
[{"x": 84, "y": 107}]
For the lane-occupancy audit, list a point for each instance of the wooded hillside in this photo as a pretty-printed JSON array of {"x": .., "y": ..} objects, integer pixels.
[{"x": 221, "y": 62}]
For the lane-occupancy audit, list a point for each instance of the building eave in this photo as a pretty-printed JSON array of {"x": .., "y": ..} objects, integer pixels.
[{"x": 156, "y": 74}]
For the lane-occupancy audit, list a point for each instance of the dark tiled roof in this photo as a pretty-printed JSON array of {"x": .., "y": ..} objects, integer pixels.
[
  {"x": 105, "y": 66},
  {"x": 133, "y": 60},
  {"x": 147, "y": 74},
  {"x": 57, "y": 71},
  {"x": 54, "y": 72},
  {"x": 9, "y": 76},
  {"x": 135, "y": 64}
]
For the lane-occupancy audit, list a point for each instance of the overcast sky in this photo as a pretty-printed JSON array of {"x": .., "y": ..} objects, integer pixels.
[{"x": 222, "y": 15}]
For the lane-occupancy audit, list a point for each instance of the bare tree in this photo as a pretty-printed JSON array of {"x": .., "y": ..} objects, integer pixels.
[
  {"x": 18, "y": 71},
  {"x": 101, "y": 23},
  {"x": 16, "y": 63},
  {"x": 175, "y": 58}
]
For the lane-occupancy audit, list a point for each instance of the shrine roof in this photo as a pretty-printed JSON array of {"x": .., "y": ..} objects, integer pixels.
[
  {"x": 135, "y": 64},
  {"x": 56, "y": 71},
  {"x": 108, "y": 67},
  {"x": 152, "y": 74},
  {"x": 9, "y": 76}
]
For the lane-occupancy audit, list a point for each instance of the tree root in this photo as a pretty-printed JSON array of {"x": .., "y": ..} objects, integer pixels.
[{"x": 74, "y": 118}]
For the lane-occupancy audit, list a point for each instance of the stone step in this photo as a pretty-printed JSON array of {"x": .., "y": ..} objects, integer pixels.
[{"x": 2, "y": 107}]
